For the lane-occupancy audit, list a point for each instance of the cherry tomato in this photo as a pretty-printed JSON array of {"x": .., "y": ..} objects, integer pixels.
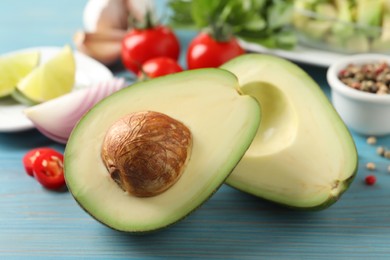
[
  {"x": 30, "y": 156},
  {"x": 204, "y": 51},
  {"x": 157, "y": 67},
  {"x": 49, "y": 170},
  {"x": 140, "y": 45}
]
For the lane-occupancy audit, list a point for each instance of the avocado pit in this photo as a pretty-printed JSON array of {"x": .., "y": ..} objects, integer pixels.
[{"x": 146, "y": 152}]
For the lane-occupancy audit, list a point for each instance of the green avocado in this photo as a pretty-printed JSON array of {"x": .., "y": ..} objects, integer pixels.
[
  {"x": 303, "y": 156},
  {"x": 221, "y": 120}
]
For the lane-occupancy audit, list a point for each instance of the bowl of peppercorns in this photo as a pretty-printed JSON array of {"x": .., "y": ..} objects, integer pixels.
[{"x": 360, "y": 92}]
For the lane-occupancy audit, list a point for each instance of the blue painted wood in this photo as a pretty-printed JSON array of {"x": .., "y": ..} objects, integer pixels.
[{"x": 40, "y": 224}]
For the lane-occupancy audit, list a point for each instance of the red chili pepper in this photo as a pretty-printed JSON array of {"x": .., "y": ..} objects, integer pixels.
[
  {"x": 30, "y": 157},
  {"x": 370, "y": 179},
  {"x": 49, "y": 170}
]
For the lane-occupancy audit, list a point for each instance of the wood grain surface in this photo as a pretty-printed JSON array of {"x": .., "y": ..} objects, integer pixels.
[{"x": 39, "y": 224}]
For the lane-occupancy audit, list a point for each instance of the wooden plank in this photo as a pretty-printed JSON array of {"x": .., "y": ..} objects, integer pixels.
[{"x": 40, "y": 224}]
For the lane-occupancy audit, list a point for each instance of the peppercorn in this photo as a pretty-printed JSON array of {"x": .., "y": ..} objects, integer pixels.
[
  {"x": 370, "y": 179},
  {"x": 387, "y": 154},
  {"x": 371, "y": 77},
  {"x": 380, "y": 150},
  {"x": 371, "y": 166},
  {"x": 371, "y": 140}
]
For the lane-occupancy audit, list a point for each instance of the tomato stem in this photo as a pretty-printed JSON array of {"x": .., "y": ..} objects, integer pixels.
[
  {"x": 220, "y": 32},
  {"x": 147, "y": 23}
]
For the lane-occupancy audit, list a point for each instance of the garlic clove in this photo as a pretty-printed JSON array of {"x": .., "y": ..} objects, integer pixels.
[
  {"x": 106, "y": 23},
  {"x": 106, "y": 35},
  {"x": 100, "y": 15},
  {"x": 103, "y": 46}
]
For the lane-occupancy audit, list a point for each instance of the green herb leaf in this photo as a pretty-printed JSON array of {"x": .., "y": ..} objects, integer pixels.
[
  {"x": 260, "y": 21},
  {"x": 181, "y": 14},
  {"x": 279, "y": 14}
]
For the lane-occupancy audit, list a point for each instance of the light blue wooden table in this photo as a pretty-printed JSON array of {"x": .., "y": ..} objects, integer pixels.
[{"x": 38, "y": 224}]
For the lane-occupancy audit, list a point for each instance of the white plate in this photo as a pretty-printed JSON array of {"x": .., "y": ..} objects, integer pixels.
[
  {"x": 88, "y": 71},
  {"x": 300, "y": 53}
]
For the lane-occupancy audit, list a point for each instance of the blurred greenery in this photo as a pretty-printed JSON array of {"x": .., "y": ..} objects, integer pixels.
[{"x": 266, "y": 22}]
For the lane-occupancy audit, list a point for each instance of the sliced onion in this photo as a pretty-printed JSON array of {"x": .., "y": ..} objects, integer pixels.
[{"x": 56, "y": 118}]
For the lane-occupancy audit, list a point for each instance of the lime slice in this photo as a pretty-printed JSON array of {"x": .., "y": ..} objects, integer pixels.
[
  {"x": 52, "y": 79},
  {"x": 14, "y": 67}
]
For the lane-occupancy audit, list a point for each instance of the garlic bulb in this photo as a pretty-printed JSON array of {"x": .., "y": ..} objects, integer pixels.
[
  {"x": 100, "y": 15},
  {"x": 105, "y": 24}
]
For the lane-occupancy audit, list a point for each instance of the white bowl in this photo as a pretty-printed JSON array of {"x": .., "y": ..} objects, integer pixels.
[{"x": 365, "y": 113}]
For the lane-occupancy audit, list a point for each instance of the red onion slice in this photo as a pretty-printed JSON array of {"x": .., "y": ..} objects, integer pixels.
[{"x": 56, "y": 118}]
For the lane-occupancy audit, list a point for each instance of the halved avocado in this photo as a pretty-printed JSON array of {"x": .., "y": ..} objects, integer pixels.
[
  {"x": 303, "y": 156},
  {"x": 221, "y": 121}
]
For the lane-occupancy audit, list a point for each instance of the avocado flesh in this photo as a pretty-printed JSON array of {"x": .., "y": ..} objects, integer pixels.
[
  {"x": 303, "y": 156},
  {"x": 222, "y": 122}
]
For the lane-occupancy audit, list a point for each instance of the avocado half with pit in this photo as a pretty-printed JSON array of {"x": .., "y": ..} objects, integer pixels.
[
  {"x": 303, "y": 156},
  {"x": 149, "y": 154}
]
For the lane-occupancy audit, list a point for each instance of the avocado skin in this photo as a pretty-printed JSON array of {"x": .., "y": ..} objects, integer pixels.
[
  {"x": 141, "y": 232},
  {"x": 332, "y": 199},
  {"x": 347, "y": 182},
  {"x": 250, "y": 134}
]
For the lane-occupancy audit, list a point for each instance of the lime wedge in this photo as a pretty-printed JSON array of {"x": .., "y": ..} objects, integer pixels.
[
  {"x": 52, "y": 79},
  {"x": 14, "y": 67}
]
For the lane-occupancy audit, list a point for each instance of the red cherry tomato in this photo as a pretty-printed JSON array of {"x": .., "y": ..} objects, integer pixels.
[
  {"x": 30, "y": 156},
  {"x": 140, "y": 45},
  {"x": 160, "y": 66},
  {"x": 49, "y": 170},
  {"x": 205, "y": 52}
]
